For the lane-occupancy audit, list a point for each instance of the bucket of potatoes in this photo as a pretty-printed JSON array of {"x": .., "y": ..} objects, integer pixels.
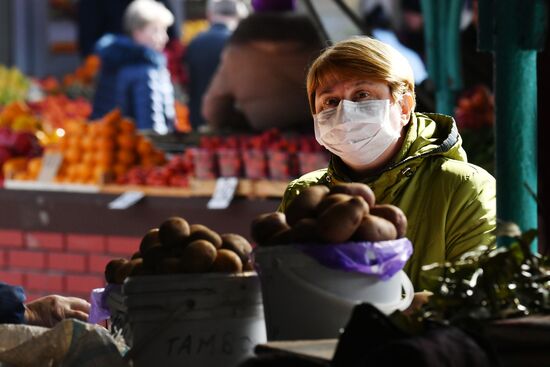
[
  {"x": 331, "y": 250},
  {"x": 190, "y": 297}
]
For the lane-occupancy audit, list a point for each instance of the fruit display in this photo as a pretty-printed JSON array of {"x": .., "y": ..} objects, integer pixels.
[
  {"x": 14, "y": 85},
  {"x": 343, "y": 213},
  {"x": 174, "y": 173},
  {"x": 270, "y": 155},
  {"x": 102, "y": 150},
  {"x": 176, "y": 247}
]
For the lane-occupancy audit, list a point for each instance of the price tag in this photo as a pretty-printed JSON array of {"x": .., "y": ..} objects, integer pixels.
[
  {"x": 126, "y": 200},
  {"x": 223, "y": 193},
  {"x": 51, "y": 161}
]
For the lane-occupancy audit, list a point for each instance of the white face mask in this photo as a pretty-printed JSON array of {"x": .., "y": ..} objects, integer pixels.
[{"x": 357, "y": 132}]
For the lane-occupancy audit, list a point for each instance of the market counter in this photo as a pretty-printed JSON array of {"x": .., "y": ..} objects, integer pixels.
[{"x": 59, "y": 242}]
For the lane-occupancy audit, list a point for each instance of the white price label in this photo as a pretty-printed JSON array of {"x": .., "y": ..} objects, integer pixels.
[
  {"x": 223, "y": 193},
  {"x": 126, "y": 200},
  {"x": 51, "y": 161}
]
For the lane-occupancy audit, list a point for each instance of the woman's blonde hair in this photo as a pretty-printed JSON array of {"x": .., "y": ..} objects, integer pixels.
[
  {"x": 143, "y": 12},
  {"x": 361, "y": 57}
]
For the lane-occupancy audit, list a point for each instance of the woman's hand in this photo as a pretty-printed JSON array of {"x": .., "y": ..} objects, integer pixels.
[
  {"x": 48, "y": 311},
  {"x": 420, "y": 298}
]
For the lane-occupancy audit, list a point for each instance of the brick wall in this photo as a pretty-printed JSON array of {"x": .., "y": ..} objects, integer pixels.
[{"x": 69, "y": 264}]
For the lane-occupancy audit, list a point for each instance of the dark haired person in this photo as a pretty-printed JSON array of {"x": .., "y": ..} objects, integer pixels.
[{"x": 260, "y": 81}]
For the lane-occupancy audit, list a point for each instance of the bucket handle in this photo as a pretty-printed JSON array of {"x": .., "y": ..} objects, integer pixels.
[
  {"x": 386, "y": 308},
  {"x": 402, "y": 303}
]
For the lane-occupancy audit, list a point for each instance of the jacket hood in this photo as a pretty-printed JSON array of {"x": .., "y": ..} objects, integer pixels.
[
  {"x": 118, "y": 50},
  {"x": 428, "y": 135}
]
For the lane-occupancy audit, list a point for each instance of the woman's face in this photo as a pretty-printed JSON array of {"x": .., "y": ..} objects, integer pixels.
[
  {"x": 329, "y": 96},
  {"x": 153, "y": 35}
]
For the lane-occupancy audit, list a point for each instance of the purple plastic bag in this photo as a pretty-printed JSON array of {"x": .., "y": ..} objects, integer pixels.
[
  {"x": 383, "y": 259},
  {"x": 99, "y": 310}
]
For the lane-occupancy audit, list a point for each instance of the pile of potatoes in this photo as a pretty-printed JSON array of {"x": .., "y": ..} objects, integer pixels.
[
  {"x": 343, "y": 213},
  {"x": 177, "y": 247}
]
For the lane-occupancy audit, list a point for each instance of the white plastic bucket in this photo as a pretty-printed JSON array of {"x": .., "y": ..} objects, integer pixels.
[
  {"x": 306, "y": 300},
  {"x": 202, "y": 320}
]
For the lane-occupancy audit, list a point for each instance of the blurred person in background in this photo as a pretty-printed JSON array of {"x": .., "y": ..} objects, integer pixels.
[
  {"x": 46, "y": 311},
  {"x": 203, "y": 52},
  {"x": 99, "y": 17},
  {"x": 133, "y": 75},
  {"x": 259, "y": 82}
]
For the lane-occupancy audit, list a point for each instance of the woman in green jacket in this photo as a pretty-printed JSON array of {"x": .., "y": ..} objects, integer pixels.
[{"x": 361, "y": 94}]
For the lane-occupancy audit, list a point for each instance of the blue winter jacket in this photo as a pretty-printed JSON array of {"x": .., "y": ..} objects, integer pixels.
[
  {"x": 135, "y": 79},
  {"x": 12, "y": 310}
]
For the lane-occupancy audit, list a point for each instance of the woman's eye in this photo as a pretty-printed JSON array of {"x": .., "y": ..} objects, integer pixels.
[
  {"x": 360, "y": 96},
  {"x": 331, "y": 102}
]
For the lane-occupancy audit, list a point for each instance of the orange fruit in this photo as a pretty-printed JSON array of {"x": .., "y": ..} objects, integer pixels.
[
  {"x": 87, "y": 142},
  {"x": 144, "y": 147},
  {"x": 126, "y": 126},
  {"x": 73, "y": 155},
  {"x": 112, "y": 116},
  {"x": 104, "y": 144},
  {"x": 33, "y": 167},
  {"x": 126, "y": 141},
  {"x": 125, "y": 156},
  {"x": 120, "y": 169}
]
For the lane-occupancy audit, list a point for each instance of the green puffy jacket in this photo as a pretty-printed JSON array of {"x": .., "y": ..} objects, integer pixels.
[{"x": 450, "y": 204}]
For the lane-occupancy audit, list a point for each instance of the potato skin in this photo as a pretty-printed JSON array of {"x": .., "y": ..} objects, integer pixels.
[
  {"x": 338, "y": 223},
  {"x": 304, "y": 231},
  {"x": 150, "y": 239},
  {"x": 267, "y": 225},
  {"x": 201, "y": 232},
  {"x": 111, "y": 269},
  {"x": 227, "y": 262},
  {"x": 282, "y": 237},
  {"x": 174, "y": 231},
  {"x": 394, "y": 215},
  {"x": 355, "y": 188},
  {"x": 238, "y": 244},
  {"x": 198, "y": 257},
  {"x": 303, "y": 205},
  {"x": 373, "y": 228},
  {"x": 330, "y": 200}
]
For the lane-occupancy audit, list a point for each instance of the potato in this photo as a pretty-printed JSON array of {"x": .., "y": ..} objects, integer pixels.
[
  {"x": 227, "y": 262},
  {"x": 174, "y": 231},
  {"x": 123, "y": 271},
  {"x": 150, "y": 239},
  {"x": 329, "y": 201},
  {"x": 238, "y": 244},
  {"x": 267, "y": 225},
  {"x": 248, "y": 266},
  {"x": 198, "y": 257},
  {"x": 394, "y": 215},
  {"x": 169, "y": 265},
  {"x": 303, "y": 205},
  {"x": 152, "y": 257},
  {"x": 305, "y": 231},
  {"x": 373, "y": 228},
  {"x": 111, "y": 269},
  {"x": 355, "y": 188},
  {"x": 283, "y": 237},
  {"x": 138, "y": 269},
  {"x": 136, "y": 255},
  {"x": 200, "y": 232},
  {"x": 339, "y": 222}
]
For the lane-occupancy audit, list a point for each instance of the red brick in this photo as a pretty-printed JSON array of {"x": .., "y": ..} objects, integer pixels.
[
  {"x": 45, "y": 240},
  {"x": 13, "y": 277},
  {"x": 45, "y": 282},
  {"x": 26, "y": 259},
  {"x": 96, "y": 263},
  {"x": 11, "y": 238},
  {"x": 68, "y": 262},
  {"x": 83, "y": 284},
  {"x": 86, "y": 243},
  {"x": 122, "y": 245}
]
